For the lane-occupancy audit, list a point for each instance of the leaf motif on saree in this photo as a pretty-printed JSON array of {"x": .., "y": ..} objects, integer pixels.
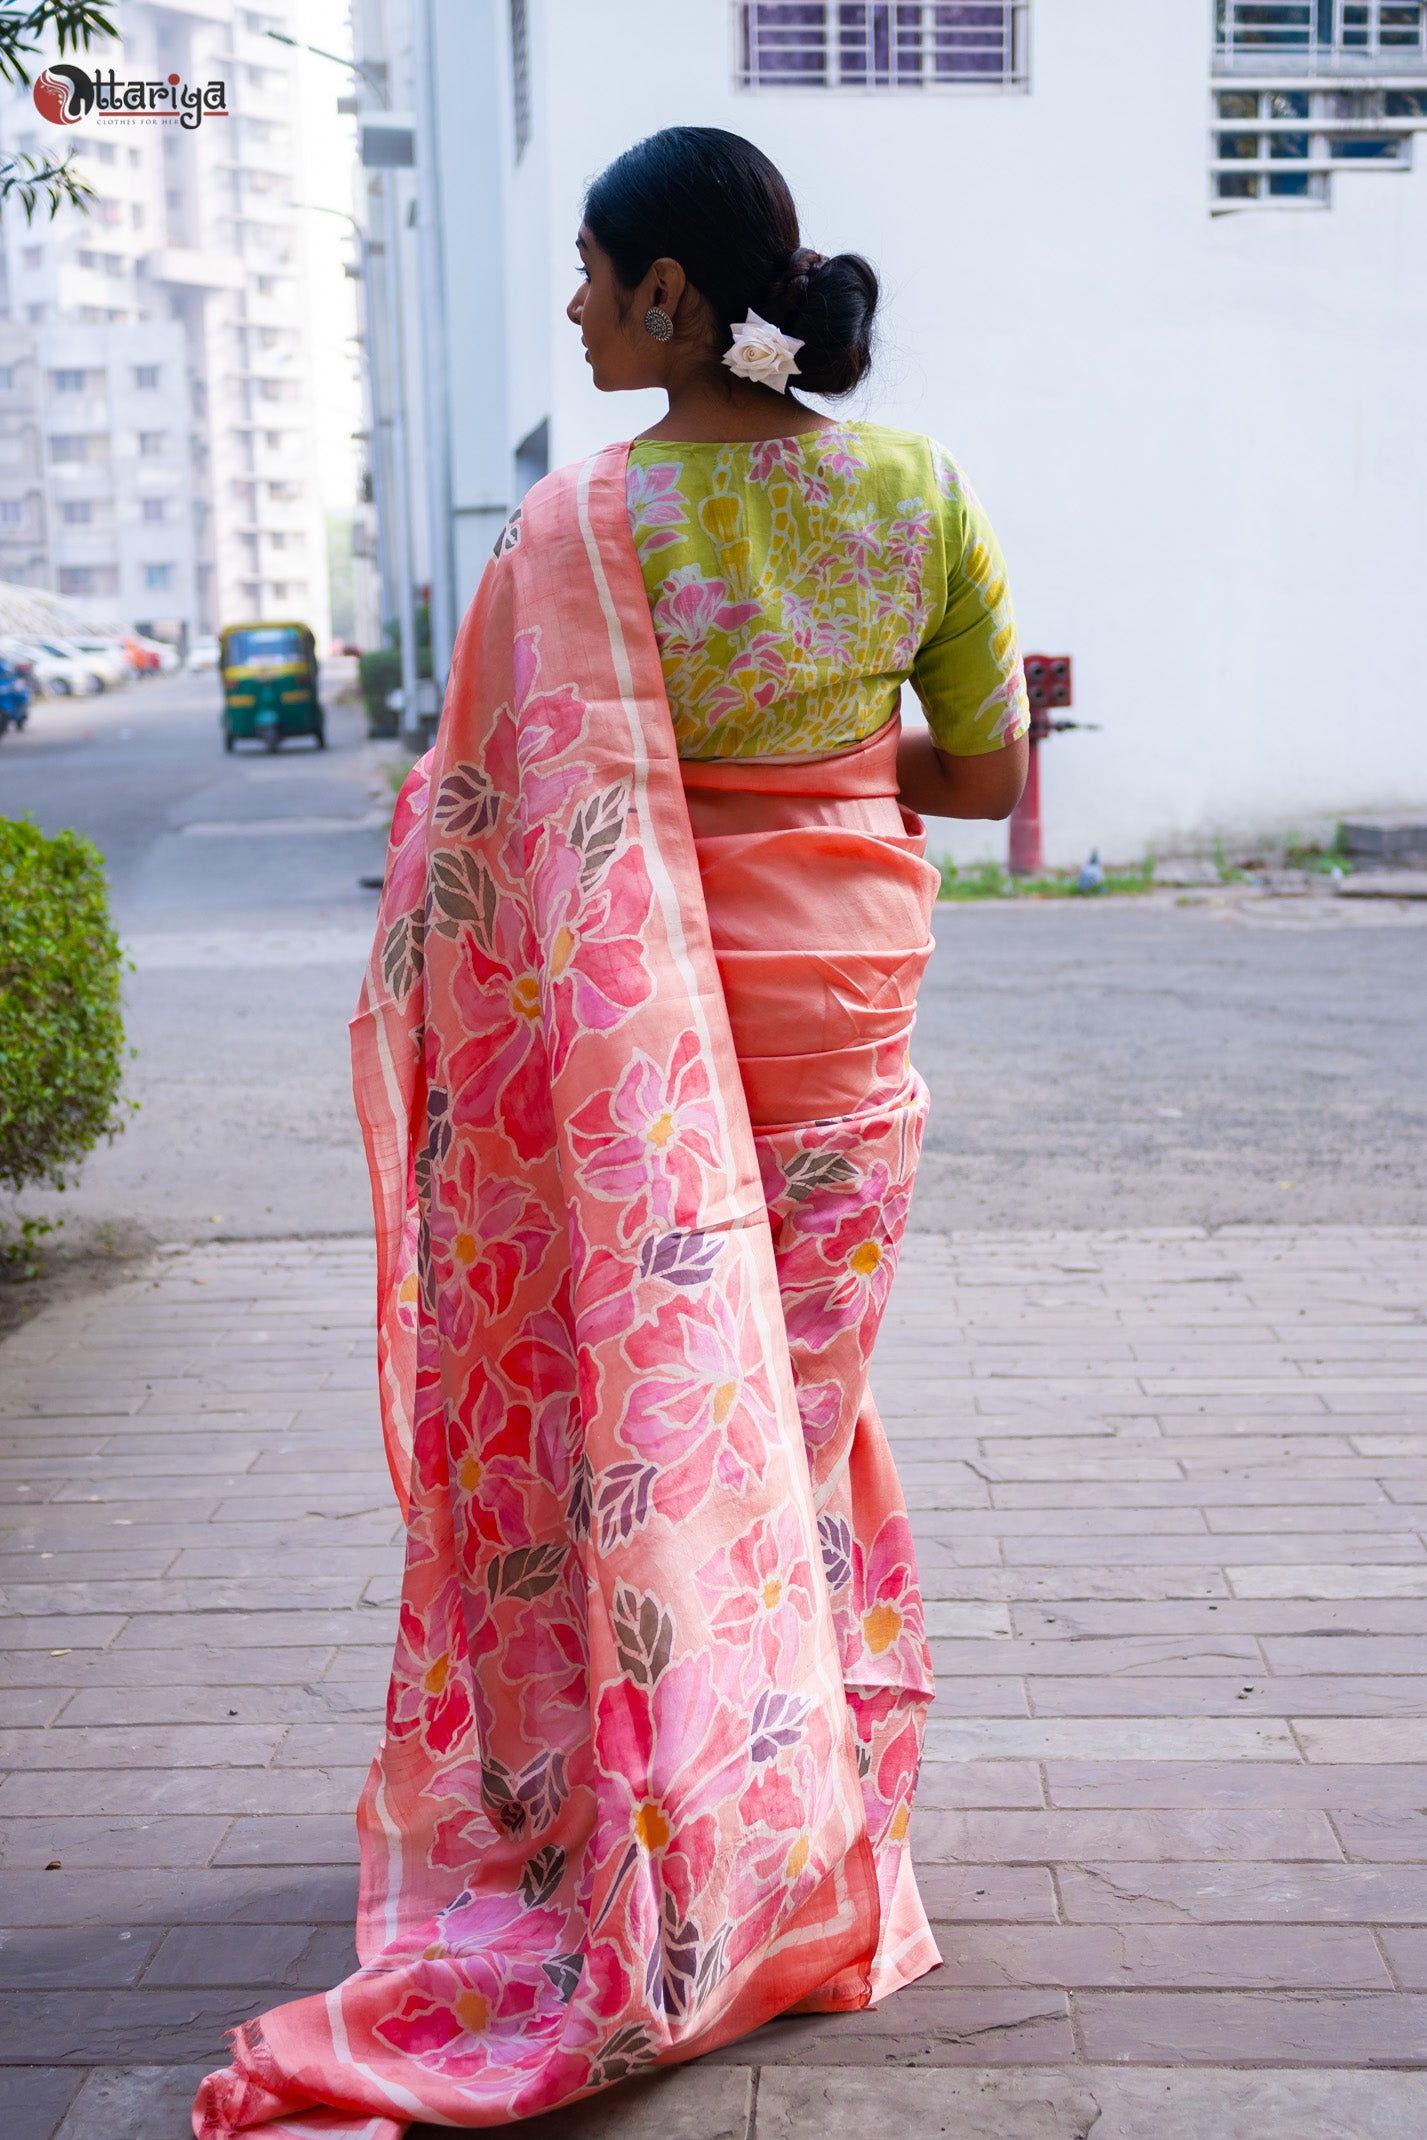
[
  {"x": 541, "y": 1875},
  {"x": 498, "y": 1796},
  {"x": 564, "y": 1972},
  {"x": 580, "y": 1506},
  {"x": 622, "y": 1504},
  {"x": 671, "y": 1972},
  {"x": 777, "y": 1724},
  {"x": 595, "y": 830},
  {"x": 808, "y": 1171},
  {"x": 464, "y": 889},
  {"x": 686, "y": 1259},
  {"x": 402, "y": 955},
  {"x": 527, "y": 1572},
  {"x": 543, "y": 1788},
  {"x": 467, "y": 802},
  {"x": 627, "y": 2050},
  {"x": 836, "y": 1541},
  {"x": 643, "y": 1635}
]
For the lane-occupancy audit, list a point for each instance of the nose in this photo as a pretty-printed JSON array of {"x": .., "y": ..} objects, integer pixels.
[{"x": 576, "y": 306}]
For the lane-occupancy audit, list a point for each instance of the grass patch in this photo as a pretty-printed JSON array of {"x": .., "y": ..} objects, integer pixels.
[{"x": 988, "y": 880}]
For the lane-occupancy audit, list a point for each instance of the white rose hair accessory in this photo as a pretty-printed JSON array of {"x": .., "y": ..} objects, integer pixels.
[{"x": 763, "y": 352}]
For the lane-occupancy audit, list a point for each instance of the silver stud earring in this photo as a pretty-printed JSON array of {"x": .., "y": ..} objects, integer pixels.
[{"x": 658, "y": 323}]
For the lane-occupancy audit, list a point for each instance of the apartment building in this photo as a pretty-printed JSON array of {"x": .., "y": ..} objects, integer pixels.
[
  {"x": 183, "y": 283},
  {"x": 1154, "y": 273}
]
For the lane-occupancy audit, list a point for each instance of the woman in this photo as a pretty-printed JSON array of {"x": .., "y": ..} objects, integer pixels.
[{"x": 632, "y": 1066}]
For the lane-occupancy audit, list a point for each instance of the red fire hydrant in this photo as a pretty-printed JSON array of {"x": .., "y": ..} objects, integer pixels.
[{"x": 1047, "y": 687}]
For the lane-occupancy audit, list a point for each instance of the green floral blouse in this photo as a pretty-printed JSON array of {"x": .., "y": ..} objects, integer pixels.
[{"x": 797, "y": 583}]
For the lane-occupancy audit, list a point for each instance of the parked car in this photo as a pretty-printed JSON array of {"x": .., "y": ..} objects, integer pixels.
[
  {"x": 106, "y": 657},
  {"x": 203, "y": 654},
  {"x": 14, "y": 694},
  {"x": 56, "y": 674},
  {"x": 110, "y": 660},
  {"x": 155, "y": 657}
]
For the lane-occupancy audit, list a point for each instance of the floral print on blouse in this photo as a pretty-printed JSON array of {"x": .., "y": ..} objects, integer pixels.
[{"x": 797, "y": 583}]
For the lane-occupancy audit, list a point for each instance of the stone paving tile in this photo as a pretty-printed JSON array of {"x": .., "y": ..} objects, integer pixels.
[{"x": 1171, "y": 1498}]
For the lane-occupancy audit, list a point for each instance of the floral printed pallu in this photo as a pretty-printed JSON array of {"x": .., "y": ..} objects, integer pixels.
[{"x": 657, "y": 1699}]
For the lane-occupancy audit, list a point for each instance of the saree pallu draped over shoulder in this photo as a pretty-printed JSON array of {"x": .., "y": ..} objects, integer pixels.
[{"x": 660, "y": 1678}]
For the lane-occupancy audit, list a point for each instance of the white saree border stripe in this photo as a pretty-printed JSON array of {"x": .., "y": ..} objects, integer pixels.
[
  {"x": 401, "y": 1410},
  {"x": 395, "y": 1863},
  {"x": 400, "y": 2098}
]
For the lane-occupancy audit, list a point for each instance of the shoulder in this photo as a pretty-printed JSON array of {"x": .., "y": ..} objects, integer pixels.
[{"x": 909, "y": 457}]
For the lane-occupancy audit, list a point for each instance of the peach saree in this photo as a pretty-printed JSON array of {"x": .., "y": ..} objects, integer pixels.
[{"x": 632, "y": 1070}]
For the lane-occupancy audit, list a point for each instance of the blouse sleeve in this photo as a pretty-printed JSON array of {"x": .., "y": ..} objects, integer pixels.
[{"x": 968, "y": 672}]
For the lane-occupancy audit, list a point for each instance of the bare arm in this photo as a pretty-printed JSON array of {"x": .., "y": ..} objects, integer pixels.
[{"x": 934, "y": 784}]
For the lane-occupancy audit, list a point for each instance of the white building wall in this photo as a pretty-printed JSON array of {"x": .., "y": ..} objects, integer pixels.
[{"x": 1195, "y": 434}]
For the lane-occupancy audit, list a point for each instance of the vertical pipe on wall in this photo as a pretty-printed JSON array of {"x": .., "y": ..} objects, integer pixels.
[{"x": 434, "y": 341}]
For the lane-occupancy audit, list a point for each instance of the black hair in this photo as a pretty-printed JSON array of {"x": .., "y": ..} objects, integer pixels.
[{"x": 714, "y": 202}]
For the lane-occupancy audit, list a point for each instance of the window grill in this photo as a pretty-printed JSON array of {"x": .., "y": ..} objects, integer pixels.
[
  {"x": 520, "y": 73},
  {"x": 881, "y": 44},
  {"x": 1320, "y": 36},
  {"x": 1283, "y": 145}
]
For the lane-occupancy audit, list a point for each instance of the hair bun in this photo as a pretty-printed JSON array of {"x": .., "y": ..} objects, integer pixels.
[{"x": 829, "y": 302}]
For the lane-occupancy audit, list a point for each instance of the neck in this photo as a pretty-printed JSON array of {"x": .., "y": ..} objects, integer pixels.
[{"x": 707, "y": 405}]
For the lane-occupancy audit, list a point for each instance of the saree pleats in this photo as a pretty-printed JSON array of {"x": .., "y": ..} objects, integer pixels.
[{"x": 656, "y": 1703}]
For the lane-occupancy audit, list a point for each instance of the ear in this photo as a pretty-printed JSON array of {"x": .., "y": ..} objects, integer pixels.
[{"x": 667, "y": 283}]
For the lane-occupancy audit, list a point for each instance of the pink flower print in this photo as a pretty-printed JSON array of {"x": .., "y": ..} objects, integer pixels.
[
  {"x": 833, "y": 635},
  {"x": 670, "y": 1754},
  {"x": 888, "y": 1608},
  {"x": 837, "y": 1269},
  {"x": 815, "y": 487},
  {"x": 429, "y": 1696},
  {"x": 799, "y": 618},
  {"x": 651, "y": 1144},
  {"x": 542, "y": 1365},
  {"x": 839, "y": 455},
  {"x": 499, "y": 1077},
  {"x": 705, "y": 1406},
  {"x": 479, "y": 1996},
  {"x": 690, "y": 607},
  {"x": 909, "y": 536},
  {"x": 488, "y": 1449},
  {"x": 595, "y": 972},
  {"x": 861, "y": 547},
  {"x": 760, "y": 1588},
  {"x": 774, "y": 456},
  {"x": 819, "y": 1409},
  {"x": 486, "y": 1235},
  {"x": 656, "y": 505}
]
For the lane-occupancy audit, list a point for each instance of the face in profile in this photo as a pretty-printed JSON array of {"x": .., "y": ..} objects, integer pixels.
[{"x": 619, "y": 352}]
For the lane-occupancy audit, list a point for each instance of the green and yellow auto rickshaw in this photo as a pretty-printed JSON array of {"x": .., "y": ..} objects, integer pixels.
[{"x": 269, "y": 674}]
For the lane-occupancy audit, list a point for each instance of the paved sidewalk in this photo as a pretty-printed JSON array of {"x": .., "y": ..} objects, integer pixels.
[{"x": 1171, "y": 1492}]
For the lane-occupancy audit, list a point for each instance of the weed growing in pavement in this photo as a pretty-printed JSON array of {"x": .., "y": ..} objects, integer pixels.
[{"x": 988, "y": 880}]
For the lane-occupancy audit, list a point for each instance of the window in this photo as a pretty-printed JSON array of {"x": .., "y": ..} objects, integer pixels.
[
  {"x": 135, "y": 159},
  {"x": 12, "y": 512},
  {"x": 67, "y": 382},
  {"x": 7, "y": 376},
  {"x": 33, "y": 256},
  {"x": 1282, "y": 145},
  {"x": 157, "y": 575},
  {"x": 69, "y": 448},
  {"x": 881, "y": 44},
  {"x": 136, "y": 214},
  {"x": 88, "y": 579},
  {"x": 146, "y": 378},
  {"x": 151, "y": 444},
  {"x": 1321, "y": 35},
  {"x": 520, "y": 73},
  {"x": 76, "y": 512},
  {"x": 156, "y": 508}
]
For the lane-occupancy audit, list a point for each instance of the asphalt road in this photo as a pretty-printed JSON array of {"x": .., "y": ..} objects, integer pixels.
[{"x": 1133, "y": 1062}]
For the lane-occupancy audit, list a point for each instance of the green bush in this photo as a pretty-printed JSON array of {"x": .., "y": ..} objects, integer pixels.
[
  {"x": 378, "y": 673},
  {"x": 61, "y": 1027}
]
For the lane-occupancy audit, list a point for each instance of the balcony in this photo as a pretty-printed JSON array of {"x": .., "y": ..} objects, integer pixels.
[{"x": 1289, "y": 40}]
